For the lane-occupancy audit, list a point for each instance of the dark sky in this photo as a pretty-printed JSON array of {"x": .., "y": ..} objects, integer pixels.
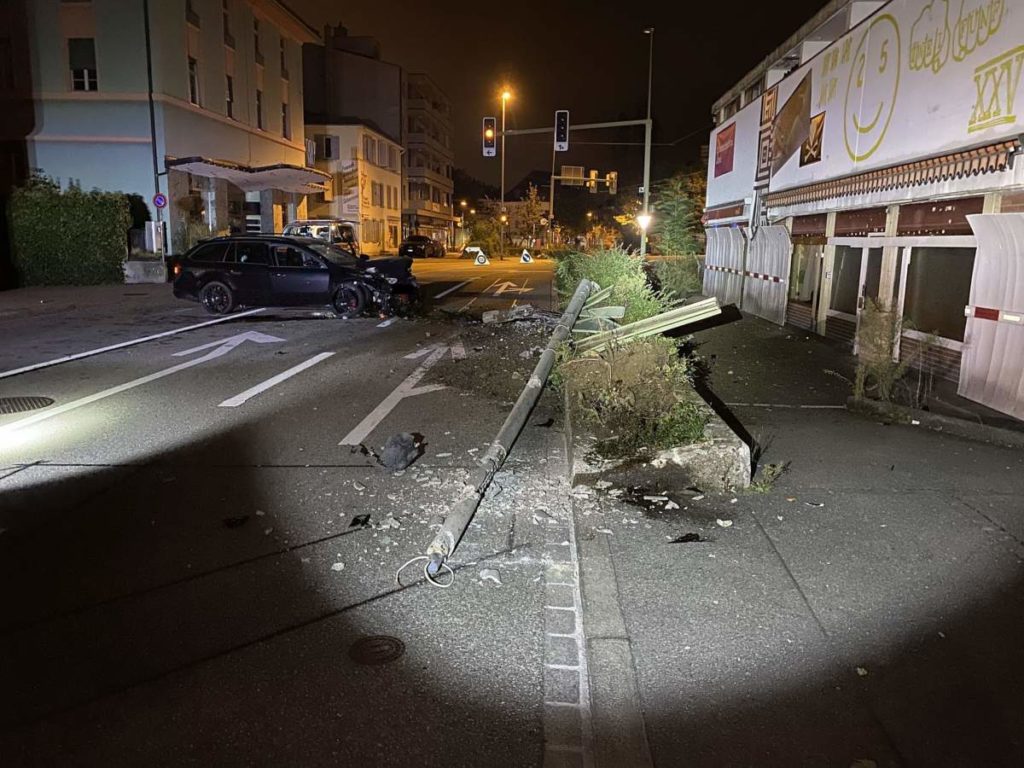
[{"x": 588, "y": 56}]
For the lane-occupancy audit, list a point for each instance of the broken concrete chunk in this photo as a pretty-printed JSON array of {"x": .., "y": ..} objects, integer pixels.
[
  {"x": 724, "y": 523},
  {"x": 338, "y": 567}
]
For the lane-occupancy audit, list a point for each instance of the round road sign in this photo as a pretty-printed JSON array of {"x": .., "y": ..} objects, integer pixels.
[{"x": 160, "y": 200}]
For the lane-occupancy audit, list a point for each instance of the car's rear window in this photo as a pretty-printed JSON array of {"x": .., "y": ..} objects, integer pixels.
[{"x": 210, "y": 252}]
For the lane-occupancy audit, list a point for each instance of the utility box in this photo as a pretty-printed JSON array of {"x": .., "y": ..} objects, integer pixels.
[{"x": 156, "y": 237}]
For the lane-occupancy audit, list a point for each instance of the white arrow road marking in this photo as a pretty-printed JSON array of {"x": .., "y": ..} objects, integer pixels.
[
  {"x": 454, "y": 288},
  {"x": 123, "y": 344},
  {"x": 509, "y": 287},
  {"x": 525, "y": 289},
  {"x": 237, "y": 400},
  {"x": 473, "y": 300},
  {"x": 406, "y": 389},
  {"x": 225, "y": 346}
]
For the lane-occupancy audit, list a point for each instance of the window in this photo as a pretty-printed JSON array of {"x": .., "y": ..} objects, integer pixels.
[
  {"x": 846, "y": 279},
  {"x": 190, "y": 14},
  {"x": 229, "y": 95},
  {"x": 251, "y": 253},
  {"x": 369, "y": 148},
  {"x": 259, "y": 109},
  {"x": 209, "y": 252},
  {"x": 289, "y": 256},
  {"x": 328, "y": 147},
  {"x": 376, "y": 193},
  {"x": 229, "y": 39},
  {"x": 382, "y": 154},
  {"x": 284, "y": 59},
  {"x": 193, "y": 81},
  {"x": 938, "y": 289},
  {"x": 82, "y": 61},
  {"x": 286, "y": 124},
  {"x": 256, "y": 41},
  {"x": 393, "y": 158}
]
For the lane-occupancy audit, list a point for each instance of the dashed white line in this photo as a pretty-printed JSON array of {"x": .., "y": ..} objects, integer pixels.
[
  {"x": 123, "y": 344},
  {"x": 237, "y": 400}
]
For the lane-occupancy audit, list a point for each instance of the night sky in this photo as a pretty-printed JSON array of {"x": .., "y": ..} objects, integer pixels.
[{"x": 588, "y": 56}]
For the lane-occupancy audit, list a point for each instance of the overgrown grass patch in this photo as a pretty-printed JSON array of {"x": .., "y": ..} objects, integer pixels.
[
  {"x": 635, "y": 398},
  {"x": 679, "y": 278},
  {"x": 618, "y": 269}
]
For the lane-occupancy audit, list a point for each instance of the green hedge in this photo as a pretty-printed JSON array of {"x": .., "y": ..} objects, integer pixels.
[{"x": 68, "y": 238}]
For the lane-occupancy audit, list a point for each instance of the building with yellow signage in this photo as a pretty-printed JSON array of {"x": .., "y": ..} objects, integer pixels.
[{"x": 873, "y": 161}]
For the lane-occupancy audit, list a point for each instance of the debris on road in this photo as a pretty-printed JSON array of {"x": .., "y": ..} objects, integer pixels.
[
  {"x": 520, "y": 312},
  {"x": 490, "y": 574},
  {"x": 817, "y": 504},
  {"x": 862, "y": 672},
  {"x": 724, "y": 523},
  {"x": 607, "y": 531},
  {"x": 356, "y": 485},
  {"x": 338, "y": 567},
  {"x": 236, "y": 522},
  {"x": 688, "y": 538},
  {"x": 400, "y": 451}
]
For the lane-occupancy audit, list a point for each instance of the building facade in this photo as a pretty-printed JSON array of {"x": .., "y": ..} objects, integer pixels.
[
  {"x": 365, "y": 186},
  {"x": 872, "y": 161},
  {"x": 199, "y": 101},
  {"x": 346, "y": 81},
  {"x": 429, "y": 161}
]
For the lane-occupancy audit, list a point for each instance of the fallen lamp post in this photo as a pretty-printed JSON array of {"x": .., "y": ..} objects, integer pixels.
[{"x": 455, "y": 524}]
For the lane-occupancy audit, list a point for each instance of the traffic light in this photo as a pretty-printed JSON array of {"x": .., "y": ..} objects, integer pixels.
[
  {"x": 490, "y": 136},
  {"x": 612, "y": 180},
  {"x": 562, "y": 130},
  {"x": 592, "y": 183}
]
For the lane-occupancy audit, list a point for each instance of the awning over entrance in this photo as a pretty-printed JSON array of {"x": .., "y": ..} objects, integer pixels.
[
  {"x": 286, "y": 178},
  {"x": 955, "y": 165}
]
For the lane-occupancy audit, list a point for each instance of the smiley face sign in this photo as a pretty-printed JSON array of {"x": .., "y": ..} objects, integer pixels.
[{"x": 872, "y": 88}]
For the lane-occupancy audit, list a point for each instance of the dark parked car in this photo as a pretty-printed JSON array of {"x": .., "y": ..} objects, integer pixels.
[
  {"x": 225, "y": 273},
  {"x": 420, "y": 246}
]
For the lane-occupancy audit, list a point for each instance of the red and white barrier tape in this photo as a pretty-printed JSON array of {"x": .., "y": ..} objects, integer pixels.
[{"x": 999, "y": 315}]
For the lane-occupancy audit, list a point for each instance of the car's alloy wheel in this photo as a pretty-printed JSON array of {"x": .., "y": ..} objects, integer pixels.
[
  {"x": 349, "y": 301},
  {"x": 216, "y": 298}
]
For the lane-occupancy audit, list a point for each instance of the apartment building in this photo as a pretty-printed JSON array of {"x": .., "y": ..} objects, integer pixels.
[
  {"x": 429, "y": 161},
  {"x": 365, "y": 167},
  {"x": 197, "y": 101},
  {"x": 874, "y": 157}
]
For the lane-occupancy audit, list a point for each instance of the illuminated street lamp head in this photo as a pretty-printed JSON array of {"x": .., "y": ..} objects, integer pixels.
[
  {"x": 644, "y": 220},
  {"x": 590, "y": 215},
  {"x": 506, "y": 94},
  {"x": 472, "y": 211},
  {"x": 463, "y": 203},
  {"x": 504, "y": 218}
]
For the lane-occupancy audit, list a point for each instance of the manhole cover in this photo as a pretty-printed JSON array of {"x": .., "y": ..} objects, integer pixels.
[
  {"x": 21, "y": 404},
  {"x": 378, "y": 649}
]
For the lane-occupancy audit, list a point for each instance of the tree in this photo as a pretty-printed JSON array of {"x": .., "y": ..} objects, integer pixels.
[
  {"x": 524, "y": 216},
  {"x": 677, "y": 204}
]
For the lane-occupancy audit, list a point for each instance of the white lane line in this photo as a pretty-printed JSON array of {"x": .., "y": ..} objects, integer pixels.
[
  {"x": 237, "y": 400},
  {"x": 406, "y": 389},
  {"x": 123, "y": 344},
  {"x": 454, "y": 288},
  {"x": 226, "y": 345}
]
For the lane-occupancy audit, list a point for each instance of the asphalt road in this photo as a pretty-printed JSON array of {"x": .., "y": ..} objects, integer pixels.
[{"x": 191, "y": 540}]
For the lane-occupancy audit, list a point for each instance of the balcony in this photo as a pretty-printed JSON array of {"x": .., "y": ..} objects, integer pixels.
[
  {"x": 425, "y": 105},
  {"x": 417, "y": 139},
  {"x": 433, "y": 177}
]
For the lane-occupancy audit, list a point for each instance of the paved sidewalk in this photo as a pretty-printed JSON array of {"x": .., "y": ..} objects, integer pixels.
[{"x": 869, "y": 607}]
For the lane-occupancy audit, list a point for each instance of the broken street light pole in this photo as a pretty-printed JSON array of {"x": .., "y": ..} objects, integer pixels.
[{"x": 455, "y": 524}]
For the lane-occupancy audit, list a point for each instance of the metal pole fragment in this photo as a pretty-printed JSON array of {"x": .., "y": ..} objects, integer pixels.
[{"x": 455, "y": 524}]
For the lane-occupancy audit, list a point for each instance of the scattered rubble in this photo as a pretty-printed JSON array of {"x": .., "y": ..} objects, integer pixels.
[{"x": 490, "y": 574}]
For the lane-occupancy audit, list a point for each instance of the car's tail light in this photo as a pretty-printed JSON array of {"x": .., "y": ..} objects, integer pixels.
[{"x": 176, "y": 269}]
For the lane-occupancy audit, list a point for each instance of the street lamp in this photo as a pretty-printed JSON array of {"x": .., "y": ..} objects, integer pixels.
[
  {"x": 643, "y": 221},
  {"x": 647, "y": 149},
  {"x": 506, "y": 94}
]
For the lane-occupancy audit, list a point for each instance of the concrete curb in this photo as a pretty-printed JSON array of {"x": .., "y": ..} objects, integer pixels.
[{"x": 949, "y": 425}]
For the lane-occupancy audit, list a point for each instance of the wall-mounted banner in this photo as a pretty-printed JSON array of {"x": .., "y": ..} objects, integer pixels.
[
  {"x": 725, "y": 148},
  {"x": 918, "y": 78},
  {"x": 792, "y": 125}
]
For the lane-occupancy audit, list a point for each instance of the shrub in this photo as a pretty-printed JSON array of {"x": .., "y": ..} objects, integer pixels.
[
  {"x": 679, "y": 278},
  {"x": 615, "y": 268},
  {"x": 68, "y": 238},
  {"x": 637, "y": 396}
]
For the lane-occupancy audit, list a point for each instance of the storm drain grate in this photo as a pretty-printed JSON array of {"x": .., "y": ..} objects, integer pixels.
[
  {"x": 22, "y": 404},
  {"x": 377, "y": 649}
]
